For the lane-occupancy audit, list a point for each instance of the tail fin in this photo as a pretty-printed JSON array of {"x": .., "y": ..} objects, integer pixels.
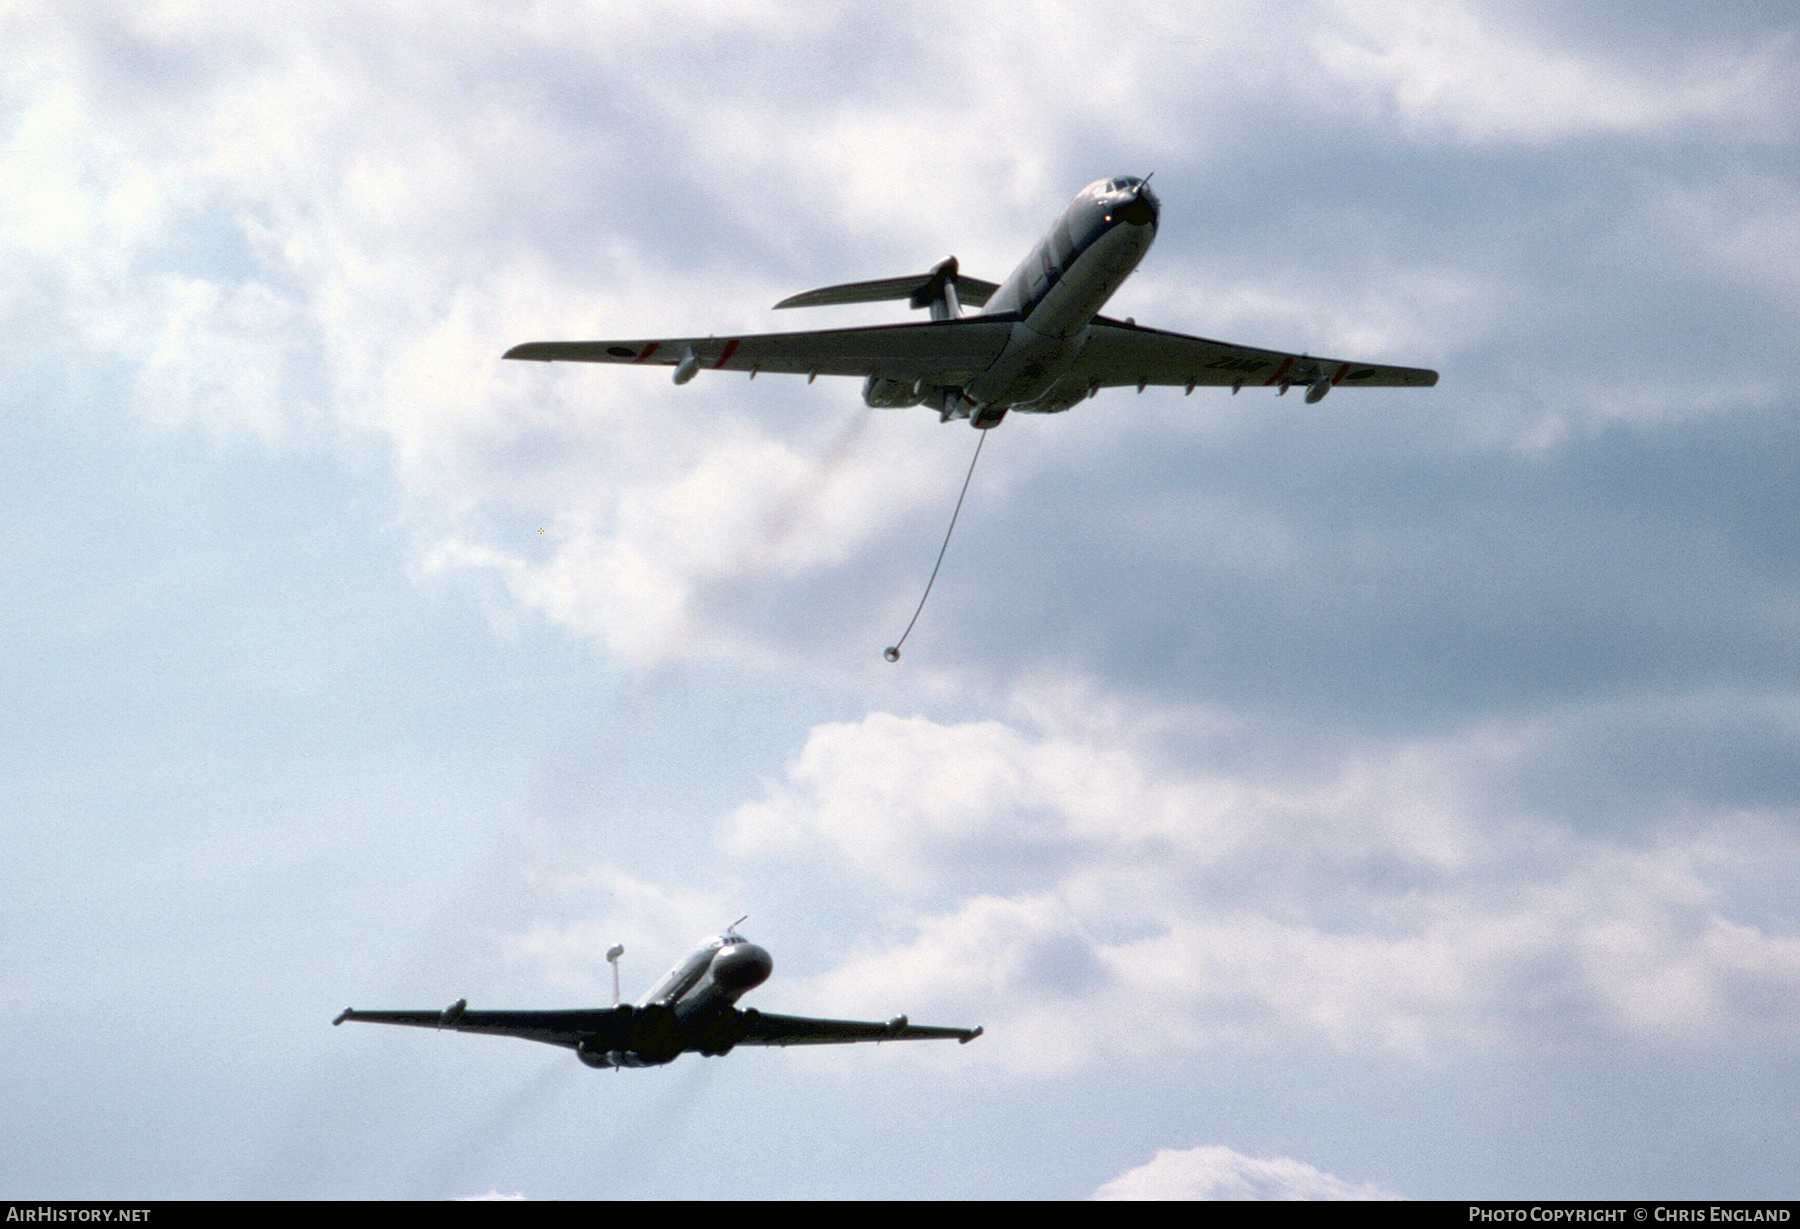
[{"x": 943, "y": 290}]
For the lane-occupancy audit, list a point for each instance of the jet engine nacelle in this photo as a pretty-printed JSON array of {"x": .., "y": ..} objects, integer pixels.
[
  {"x": 882, "y": 394},
  {"x": 726, "y": 1032},
  {"x": 650, "y": 1035},
  {"x": 1315, "y": 392}
]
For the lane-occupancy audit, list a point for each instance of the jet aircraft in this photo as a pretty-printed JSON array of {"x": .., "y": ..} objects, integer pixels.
[
  {"x": 689, "y": 1011},
  {"x": 1038, "y": 345}
]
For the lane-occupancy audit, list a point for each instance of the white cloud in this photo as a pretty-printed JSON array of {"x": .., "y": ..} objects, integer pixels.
[
  {"x": 1158, "y": 908},
  {"x": 1474, "y": 71},
  {"x": 654, "y": 923},
  {"x": 900, "y": 797},
  {"x": 1214, "y": 1172},
  {"x": 226, "y": 357}
]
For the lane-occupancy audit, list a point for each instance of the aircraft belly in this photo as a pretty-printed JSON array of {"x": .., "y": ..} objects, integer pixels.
[
  {"x": 1067, "y": 392},
  {"x": 1027, "y": 369}
]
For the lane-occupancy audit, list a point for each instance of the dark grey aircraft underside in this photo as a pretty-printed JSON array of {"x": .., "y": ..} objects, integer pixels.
[{"x": 690, "y": 1011}]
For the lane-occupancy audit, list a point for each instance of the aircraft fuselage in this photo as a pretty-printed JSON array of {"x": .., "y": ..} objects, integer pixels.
[
  {"x": 1055, "y": 294},
  {"x": 688, "y": 1000}
]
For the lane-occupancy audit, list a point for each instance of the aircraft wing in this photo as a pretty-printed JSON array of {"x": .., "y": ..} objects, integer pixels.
[
  {"x": 1118, "y": 354},
  {"x": 948, "y": 352},
  {"x": 561, "y": 1028},
  {"x": 764, "y": 1029}
]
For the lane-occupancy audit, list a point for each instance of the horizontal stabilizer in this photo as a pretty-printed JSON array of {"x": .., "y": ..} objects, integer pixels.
[{"x": 970, "y": 290}]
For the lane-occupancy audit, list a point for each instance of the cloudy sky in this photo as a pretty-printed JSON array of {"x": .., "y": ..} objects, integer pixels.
[{"x": 1397, "y": 796}]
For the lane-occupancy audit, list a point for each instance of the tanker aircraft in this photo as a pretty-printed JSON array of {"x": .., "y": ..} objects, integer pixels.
[
  {"x": 1038, "y": 344},
  {"x": 689, "y": 1010}
]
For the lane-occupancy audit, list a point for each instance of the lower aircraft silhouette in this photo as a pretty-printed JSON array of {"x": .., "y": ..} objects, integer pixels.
[{"x": 689, "y": 1011}]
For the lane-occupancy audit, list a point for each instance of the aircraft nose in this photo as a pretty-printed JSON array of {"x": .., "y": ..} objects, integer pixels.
[
  {"x": 1142, "y": 208},
  {"x": 741, "y": 967}
]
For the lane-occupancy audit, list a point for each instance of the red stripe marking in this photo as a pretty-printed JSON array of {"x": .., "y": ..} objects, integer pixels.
[
  {"x": 647, "y": 352},
  {"x": 730, "y": 349},
  {"x": 1340, "y": 374},
  {"x": 1279, "y": 372}
]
